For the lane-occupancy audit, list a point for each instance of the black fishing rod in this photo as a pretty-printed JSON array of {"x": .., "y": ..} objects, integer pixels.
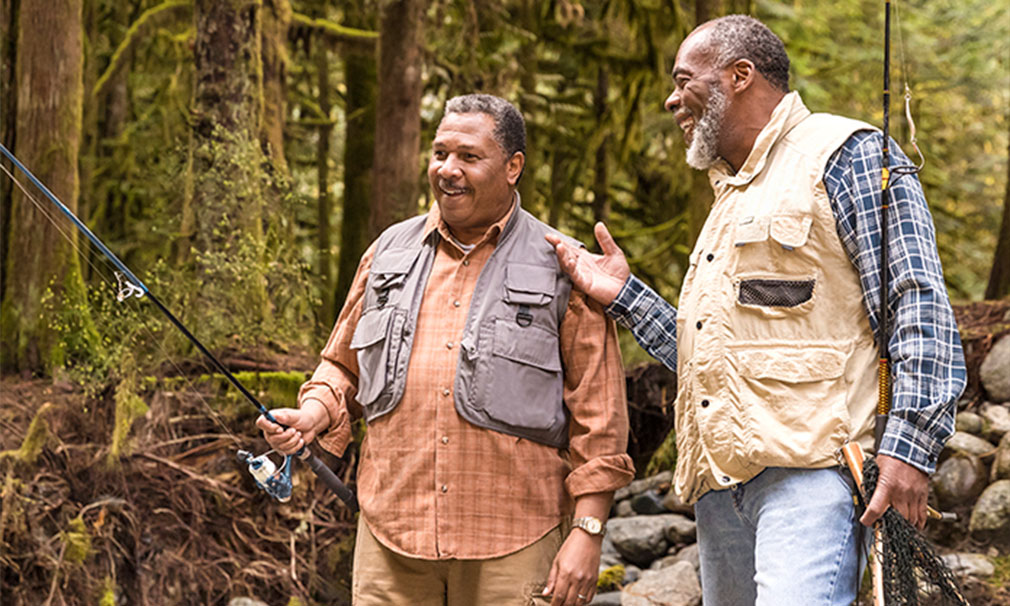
[{"x": 275, "y": 481}]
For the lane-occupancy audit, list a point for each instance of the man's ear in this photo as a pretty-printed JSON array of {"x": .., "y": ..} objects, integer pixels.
[
  {"x": 742, "y": 75},
  {"x": 514, "y": 167}
]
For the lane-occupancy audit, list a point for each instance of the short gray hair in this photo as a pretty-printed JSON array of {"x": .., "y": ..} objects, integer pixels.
[
  {"x": 736, "y": 37},
  {"x": 509, "y": 126}
]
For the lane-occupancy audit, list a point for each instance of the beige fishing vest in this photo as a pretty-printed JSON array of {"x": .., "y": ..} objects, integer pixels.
[{"x": 776, "y": 360}]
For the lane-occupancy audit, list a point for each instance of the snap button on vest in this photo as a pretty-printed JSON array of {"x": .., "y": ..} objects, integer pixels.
[{"x": 704, "y": 403}]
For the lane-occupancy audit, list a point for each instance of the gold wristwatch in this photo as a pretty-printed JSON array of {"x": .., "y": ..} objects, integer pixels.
[{"x": 593, "y": 526}]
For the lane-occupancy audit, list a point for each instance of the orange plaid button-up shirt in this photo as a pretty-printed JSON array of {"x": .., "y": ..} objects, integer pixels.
[{"x": 431, "y": 485}]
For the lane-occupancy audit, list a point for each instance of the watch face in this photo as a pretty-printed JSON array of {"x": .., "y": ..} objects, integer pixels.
[{"x": 593, "y": 526}]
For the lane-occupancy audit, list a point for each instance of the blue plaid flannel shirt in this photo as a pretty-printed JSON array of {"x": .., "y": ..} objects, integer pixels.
[{"x": 925, "y": 346}]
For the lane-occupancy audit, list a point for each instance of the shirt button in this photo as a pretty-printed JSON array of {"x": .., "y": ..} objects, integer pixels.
[
  {"x": 466, "y": 261},
  {"x": 448, "y": 345},
  {"x": 698, "y": 325},
  {"x": 445, "y": 439},
  {"x": 445, "y": 392},
  {"x": 445, "y": 488},
  {"x": 456, "y": 303},
  {"x": 704, "y": 403},
  {"x": 709, "y": 257}
]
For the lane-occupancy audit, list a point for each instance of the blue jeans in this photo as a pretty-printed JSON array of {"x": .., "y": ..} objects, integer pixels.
[{"x": 785, "y": 538}]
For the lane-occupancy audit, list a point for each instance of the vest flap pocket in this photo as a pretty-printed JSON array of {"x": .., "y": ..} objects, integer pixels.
[
  {"x": 749, "y": 230},
  {"x": 529, "y": 284},
  {"x": 528, "y": 345},
  {"x": 372, "y": 328},
  {"x": 392, "y": 266},
  {"x": 791, "y": 364},
  {"x": 791, "y": 231}
]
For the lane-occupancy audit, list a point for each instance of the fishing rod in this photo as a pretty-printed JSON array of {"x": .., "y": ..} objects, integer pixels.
[{"x": 274, "y": 480}]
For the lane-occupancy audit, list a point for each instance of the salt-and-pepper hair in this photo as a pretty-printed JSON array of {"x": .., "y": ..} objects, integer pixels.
[
  {"x": 509, "y": 126},
  {"x": 736, "y": 37}
]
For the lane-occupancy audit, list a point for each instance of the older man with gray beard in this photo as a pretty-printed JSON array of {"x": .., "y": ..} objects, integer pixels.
[{"x": 774, "y": 338}]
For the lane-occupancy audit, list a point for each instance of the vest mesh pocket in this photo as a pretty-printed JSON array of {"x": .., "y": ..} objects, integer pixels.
[{"x": 775, "y": 293}]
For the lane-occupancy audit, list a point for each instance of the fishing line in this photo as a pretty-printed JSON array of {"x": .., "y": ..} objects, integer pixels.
[{"x": 102, "y": 273}]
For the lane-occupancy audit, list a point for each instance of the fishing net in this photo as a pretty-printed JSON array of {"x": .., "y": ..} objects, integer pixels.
[{"x": 912, "y": 570}]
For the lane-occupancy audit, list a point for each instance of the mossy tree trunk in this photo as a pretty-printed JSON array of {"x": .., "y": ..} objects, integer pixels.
[
  {"x": 8, "y": 112},
  {"x": 359, "y": 151},
  {"x": 45, "y": 320},
  {"x": 227, "y": 178},
  {"x": 529, "y": 20},
  {"x": 398, "y": 133},
  {"x": 999, "y": 276},
  {"x": 601, "y": 178},
  {"x": 324, "y": 201},
  {"x": 276, "y": 18}
]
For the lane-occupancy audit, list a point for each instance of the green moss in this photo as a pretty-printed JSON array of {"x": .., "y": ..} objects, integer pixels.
[
  {"x": 129, "y": 408},
  {"x": 78, "y": 542},
  {"x": 611, "y": 578},
  {"x": 36, "y": 438},
  {"x": 295, "y": 601},
  {"x": 665, "y": 456},
  {"x": 1001, "y": 577},
  {"x": 107, "y": 597}
]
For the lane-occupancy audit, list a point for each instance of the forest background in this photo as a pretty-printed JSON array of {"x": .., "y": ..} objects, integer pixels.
[{"x": 240, "y": 155}]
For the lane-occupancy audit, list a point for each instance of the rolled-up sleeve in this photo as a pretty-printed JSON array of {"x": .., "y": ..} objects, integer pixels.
[
  {"x": 595, "y": 397},
  {"x": 335, "y": 380}
]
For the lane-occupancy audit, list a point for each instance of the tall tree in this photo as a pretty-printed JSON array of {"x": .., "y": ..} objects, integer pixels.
[
  {"x": 398, "y": 132},
  {"x": 225, "y": 209},
  {"x": 999, "y": 276},
  {"x": 8, "y": 112},
  {"x": 49, "y": 82},
  {"x": 359, "y": 151},
  {"x": 276, "y": 18}
]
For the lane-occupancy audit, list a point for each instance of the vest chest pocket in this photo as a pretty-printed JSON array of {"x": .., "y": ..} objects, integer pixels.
[
  {"x": 389, "y": 270},
  {"x": 373, "y": 339},
  {"x": 773, "y": 243},
  {"x": 522, "y": 376}
]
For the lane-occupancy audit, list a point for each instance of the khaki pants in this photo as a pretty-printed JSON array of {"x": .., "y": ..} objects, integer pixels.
[{"x": 385, "y": 578}]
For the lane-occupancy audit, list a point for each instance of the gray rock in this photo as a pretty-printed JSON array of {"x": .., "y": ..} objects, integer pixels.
[
  {"x": 990, "y": 518},
  {"x": 959, "y": 480},
  {"x": 674, "y": 503},
  {"x": 648, "y": 503},
  {"x": 660, "y": 480},
  {"x": 1001, "y": 462},
  {"x": 639, "y": 539},
  {"x": 969, "y": 422},
  {"x": 676, "y": 585},
  {"x": 632, "y": 573},
  {"x": 688, "y": 554},
  {"x": 607, "y": 560},
  {"x": 997, "y": 418},
  {"x": 967, "y": 443},
  {"x": 610, "y": 598},
  {"x": 969, "y": 564},
  {"x": 624, "y": 509},
  {"x": 245, "y": 602},
  {"x": 680, "y": 529},
  {"x": 607, "y": 546},
  {"x": 995, "y": 371}
]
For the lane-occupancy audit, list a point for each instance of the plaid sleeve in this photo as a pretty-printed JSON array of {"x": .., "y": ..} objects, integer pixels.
[
  {"x": 924, "y": 345},
  {"x": 650, "y": 318}
]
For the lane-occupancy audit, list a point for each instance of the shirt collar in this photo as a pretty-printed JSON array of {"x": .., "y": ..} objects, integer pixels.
[
  {"x": 788, "y": 113},
  {"x": 436, "y": 223}
]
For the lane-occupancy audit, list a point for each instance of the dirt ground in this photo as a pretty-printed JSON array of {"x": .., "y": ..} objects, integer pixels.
[{"x": 99, "y": 510}]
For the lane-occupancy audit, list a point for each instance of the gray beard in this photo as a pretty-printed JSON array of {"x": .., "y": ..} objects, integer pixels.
[{"x": 702, "y": 154}]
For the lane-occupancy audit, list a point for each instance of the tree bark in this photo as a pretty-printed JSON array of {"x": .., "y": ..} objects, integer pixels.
[
  {"x": 359, "y": 152},
  {"x": 999, "y": 277},
  {"x": 46, "y": 289},
  {"x": 528, "y": 85},
  {"x": 324, "y": 202},
  {"x": 8, "y": 112},
  {"x": 398, "y": 133},
  {"x": 601, "y": 180},
  {"x": 226, "y": 166},
  {"x": 276, "y": 18}
]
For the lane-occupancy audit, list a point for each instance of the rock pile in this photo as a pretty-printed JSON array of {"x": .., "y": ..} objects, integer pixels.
[{"x": 650, "y": 557}]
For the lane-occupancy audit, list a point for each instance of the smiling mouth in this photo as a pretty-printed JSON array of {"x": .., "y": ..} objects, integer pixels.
[
  {"x": 686, "y": 124},
  {"x": 452, "y": 191}
]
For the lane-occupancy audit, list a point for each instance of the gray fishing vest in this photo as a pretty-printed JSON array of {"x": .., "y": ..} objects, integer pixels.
[{"x": 509, "y": 376}]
